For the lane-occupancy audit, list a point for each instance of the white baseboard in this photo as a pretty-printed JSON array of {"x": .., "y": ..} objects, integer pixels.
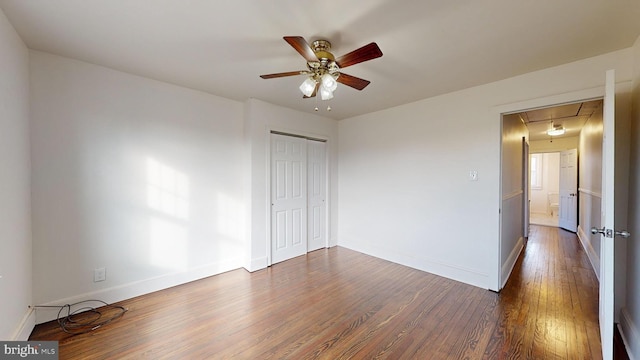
[
  {"x": 594, "y": 259},
  {"x": 450, "y": 271},
  {"x": 136, "y": 288},
  {"x": 630, "y": 335},
  {"x": 24, "y": 329},
  {"x": 508, "y": 266},
  {"x": 257, "y": 264}
]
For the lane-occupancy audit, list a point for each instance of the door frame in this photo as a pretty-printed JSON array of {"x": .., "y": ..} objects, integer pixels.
[
  {"x": 495, "y": 275},
  {"x": 299, "y": 134},
  {"x": 526, "y": 186}
]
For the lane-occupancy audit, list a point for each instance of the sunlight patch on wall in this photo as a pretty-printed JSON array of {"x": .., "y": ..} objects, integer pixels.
[
  {"x": 167, "y": 190},
  {"x": 168, "y": 194}
]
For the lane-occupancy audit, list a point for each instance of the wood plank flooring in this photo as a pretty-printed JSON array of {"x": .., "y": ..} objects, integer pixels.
[{"x": 339, "y": 304}]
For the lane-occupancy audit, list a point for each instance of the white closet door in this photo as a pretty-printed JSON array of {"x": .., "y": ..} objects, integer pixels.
[
  {"x": 288, "y": 197},
  {"x": 317, "y": 194}
]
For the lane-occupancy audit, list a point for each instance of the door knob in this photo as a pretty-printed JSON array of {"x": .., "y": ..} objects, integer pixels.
[
  {"x": 624, "y": 233},
  {"x": 609, "y": 233}
]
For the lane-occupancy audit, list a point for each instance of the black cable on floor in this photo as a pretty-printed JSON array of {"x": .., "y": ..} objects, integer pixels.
[{"x": 71, "y": 322}]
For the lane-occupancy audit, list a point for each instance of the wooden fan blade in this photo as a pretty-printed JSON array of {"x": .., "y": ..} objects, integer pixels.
[
  {"x": 302, "y": 47},
  {"x": 365, "y": 53},
  {"x": 354, "y": 82},
  {"x": 290, "y": 73},
  {"x": 313, "y": 94}
]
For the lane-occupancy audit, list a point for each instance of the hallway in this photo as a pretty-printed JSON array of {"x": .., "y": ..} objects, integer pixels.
[
  {"x": 544, "y": 220},
  {"x": 551, "y": 300}
]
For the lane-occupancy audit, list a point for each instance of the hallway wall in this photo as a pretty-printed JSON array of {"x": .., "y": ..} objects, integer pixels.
[
  {"x": 512, "y": 193},
  {"x": 590, "y": 186}
]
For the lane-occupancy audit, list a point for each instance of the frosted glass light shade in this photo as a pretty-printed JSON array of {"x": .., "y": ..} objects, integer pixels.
[
  {"x": 308, "y": 86},
  {"x": 325, "y": 94},
  {"x": 329, "y": 82}
]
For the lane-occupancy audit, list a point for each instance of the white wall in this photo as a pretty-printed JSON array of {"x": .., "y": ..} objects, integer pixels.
[
  {"x": 131, "y": 174},
  {"x": 260, "y": 119},
  {"x": 590, "y": 187},
  {"x": 15, "y": 207},
  {"x": 630, "y": 315},
  {"x": 405, "y": 193},
  {"x": 512, "y": 193}
]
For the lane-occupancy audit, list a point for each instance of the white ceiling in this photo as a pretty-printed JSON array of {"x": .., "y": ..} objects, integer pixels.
[{"x": 430, "y": 47}]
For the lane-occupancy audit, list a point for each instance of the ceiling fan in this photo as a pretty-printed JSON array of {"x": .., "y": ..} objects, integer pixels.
[{"x": 323, "y": 69}]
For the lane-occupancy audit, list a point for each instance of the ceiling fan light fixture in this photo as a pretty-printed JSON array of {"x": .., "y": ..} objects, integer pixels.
[
  {"x": 323, "y": 69},
  {"x": 308, "y": 86},
  {"x": 325, "y": 94}
]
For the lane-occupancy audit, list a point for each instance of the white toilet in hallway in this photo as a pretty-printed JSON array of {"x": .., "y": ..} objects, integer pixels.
[{"x": 553, "y": 203}]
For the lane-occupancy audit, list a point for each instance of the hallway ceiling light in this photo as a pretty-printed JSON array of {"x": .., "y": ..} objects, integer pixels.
[{"x": 556, "y": 131}]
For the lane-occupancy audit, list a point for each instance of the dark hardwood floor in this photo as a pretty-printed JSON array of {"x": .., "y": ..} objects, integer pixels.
[{"x": 338, "y": 304}]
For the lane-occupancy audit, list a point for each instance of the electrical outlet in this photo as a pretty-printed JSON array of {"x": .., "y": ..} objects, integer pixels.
[{"x": 99, "y": 274}]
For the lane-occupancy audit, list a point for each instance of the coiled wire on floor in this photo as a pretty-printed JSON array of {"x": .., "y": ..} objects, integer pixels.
[{"x": 85, "y": 318}]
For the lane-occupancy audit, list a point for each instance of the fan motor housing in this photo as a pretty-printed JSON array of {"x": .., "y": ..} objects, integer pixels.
[{"x": 321, "y": 49}]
